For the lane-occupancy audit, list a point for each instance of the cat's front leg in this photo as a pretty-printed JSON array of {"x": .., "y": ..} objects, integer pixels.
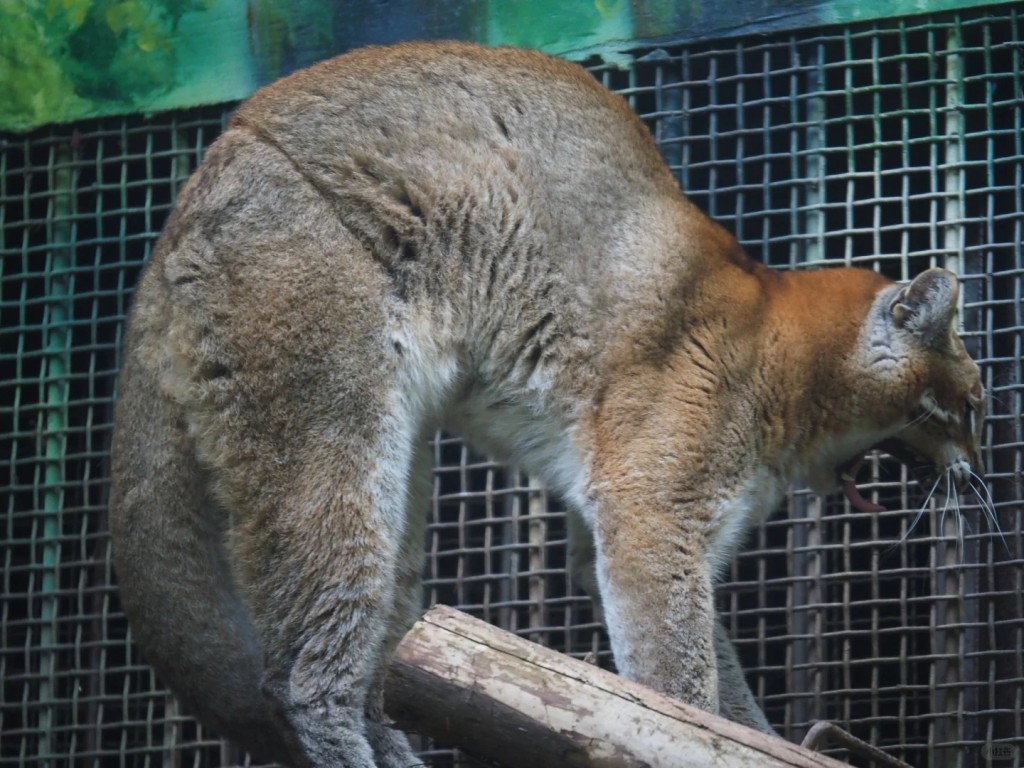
[
  {"x": 735, "y": 698},
  {"x": 656, "y": 589}
]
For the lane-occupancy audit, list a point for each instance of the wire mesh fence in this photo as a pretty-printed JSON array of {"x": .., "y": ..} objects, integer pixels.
[{"x": 894, "y": 145}]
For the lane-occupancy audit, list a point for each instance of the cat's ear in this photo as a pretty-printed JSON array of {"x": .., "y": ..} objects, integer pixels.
[{"x": 927, "y": 307}]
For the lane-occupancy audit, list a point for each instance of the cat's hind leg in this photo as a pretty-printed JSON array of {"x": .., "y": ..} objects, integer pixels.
[
  {"x": 175, "y": 580},
  {"x": 316, "y": 496},
  {"x": 277, "y": 338},
  {"x": 390, "y": 746},
  {"x": 316, "y": 544}
]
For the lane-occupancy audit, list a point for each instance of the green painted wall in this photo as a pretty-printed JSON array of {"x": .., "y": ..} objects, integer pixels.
[
  {"x": 65, "y": 60},
  {"x": 62, "y": 60}
]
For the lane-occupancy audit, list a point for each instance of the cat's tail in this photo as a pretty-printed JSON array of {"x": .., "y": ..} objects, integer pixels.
[{"x": 176, "y": 585}]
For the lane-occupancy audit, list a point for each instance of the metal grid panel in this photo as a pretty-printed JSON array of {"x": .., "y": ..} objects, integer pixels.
[
  {"x": 79, "y": 214},
  {"x": 895, "y": 145}
]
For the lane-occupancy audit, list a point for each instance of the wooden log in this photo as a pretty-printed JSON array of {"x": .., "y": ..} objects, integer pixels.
[{"x": 507, "y": 700}]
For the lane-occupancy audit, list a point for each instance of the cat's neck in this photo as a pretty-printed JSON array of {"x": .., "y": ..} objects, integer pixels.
[{"x": 813, "y": 329}]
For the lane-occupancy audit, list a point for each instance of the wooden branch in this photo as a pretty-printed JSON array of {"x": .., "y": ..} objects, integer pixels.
[{"x": 504, "y": 699}]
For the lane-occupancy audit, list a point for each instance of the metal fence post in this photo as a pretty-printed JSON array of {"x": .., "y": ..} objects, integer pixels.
[{"x": 54, "y": 383}]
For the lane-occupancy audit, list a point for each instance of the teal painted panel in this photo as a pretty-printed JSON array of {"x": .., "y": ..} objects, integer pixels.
[
  {"x": 66, "y": 60},
  {"x": 561, "y": 28}
]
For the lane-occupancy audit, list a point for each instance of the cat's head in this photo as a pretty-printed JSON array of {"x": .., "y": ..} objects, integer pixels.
[{"x": 928, "y": 400}]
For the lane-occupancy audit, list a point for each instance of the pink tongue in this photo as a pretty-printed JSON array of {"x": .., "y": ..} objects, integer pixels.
[{"x": 853, "y": 495}]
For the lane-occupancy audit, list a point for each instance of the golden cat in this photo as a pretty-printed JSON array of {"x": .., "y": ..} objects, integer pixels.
[{"x": 487, "y": 240}]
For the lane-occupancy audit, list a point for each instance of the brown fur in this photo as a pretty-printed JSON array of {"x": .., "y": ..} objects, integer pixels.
[{"x": 489, "y": 240}]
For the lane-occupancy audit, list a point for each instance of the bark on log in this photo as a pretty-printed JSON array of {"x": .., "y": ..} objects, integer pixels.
[{"x": 504, "y": 699}]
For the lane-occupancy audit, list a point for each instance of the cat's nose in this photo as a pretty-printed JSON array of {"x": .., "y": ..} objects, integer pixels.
[{"x": 960, "y": 472}]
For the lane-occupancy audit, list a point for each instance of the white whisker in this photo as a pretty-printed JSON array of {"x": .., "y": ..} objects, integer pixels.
[
  {"x": 945, "y": 507},
  {"x": 960, "y": 543},
  {"x": 988, "y": 507},
  {"x": 924, "y": 415},
  {"x": 961, "y": 520},
  {"x": 986, "y": 501},
  {"x": 913, "y": 525},
  {"x": 920, "y": 513},
  {"x": 998, "y": 400},
  {"x": 967, "y": 525}
]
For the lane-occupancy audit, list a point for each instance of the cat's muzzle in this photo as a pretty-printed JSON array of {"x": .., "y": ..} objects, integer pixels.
[{"x": 927, "y": 475}]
